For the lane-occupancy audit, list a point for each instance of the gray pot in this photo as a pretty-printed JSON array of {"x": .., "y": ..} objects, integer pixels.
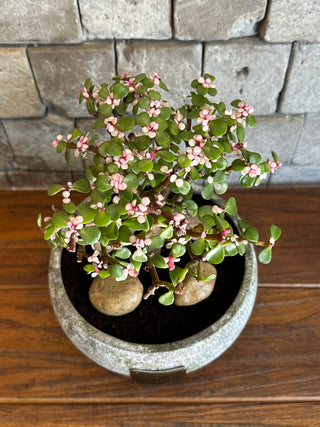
[{"x": 154, "y": 362}]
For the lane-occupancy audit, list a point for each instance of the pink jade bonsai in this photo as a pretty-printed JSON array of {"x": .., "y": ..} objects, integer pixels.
[{"x": 139, "y": 210}]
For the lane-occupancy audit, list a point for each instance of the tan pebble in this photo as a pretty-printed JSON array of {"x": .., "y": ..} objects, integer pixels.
[
  {"x": 195, "y": 291},
  {"x": 115, "y": 298}
]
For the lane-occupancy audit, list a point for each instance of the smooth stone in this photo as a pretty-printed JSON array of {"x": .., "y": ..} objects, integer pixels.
[
  {"x": 195, "y": 291},
  {"x": 115, "y": 298}
]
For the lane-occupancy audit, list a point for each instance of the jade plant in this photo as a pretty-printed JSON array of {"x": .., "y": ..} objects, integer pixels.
[{"x": 139, "y": 211}]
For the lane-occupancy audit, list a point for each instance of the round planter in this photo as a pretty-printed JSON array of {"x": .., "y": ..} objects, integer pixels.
[{"x": 148, "y": 361}]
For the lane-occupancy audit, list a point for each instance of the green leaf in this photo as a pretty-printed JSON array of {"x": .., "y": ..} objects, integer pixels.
[
  {"x": 252, "y": 234},
  {"x": 275, "y": 232},
  {"x": 142, "y": 142},
  {"x": 119, "y": 90},
  {"x": 49, "y": 232},
  {"x": 54, "y": 189},
  {"x": 221, "y": 107},
  {"x": 39, "y": 220},
  {"x": 90, "y": 106},
  {"x": 167, "y": 155},
  {"x": 255, "y": 158},
  {"x": 216, "y": 255},
  {"x": 251, "y": 121},
  {"x": 162, "y": 124},
  {"x": 142, "y": 119},
  {"x": 157, "y": 242},
  {"x": 115, "y": 148},
  {"x": 178, "y": 250},
  {"x": 116, "y": 271},
  {"x": 139, "y": 256},
  {"x": 158, "y": 261},
  {"x": 82, "y": 186},
  {"x": 167, "y": 298},
  {"x": 207, "y": 192},
  {"x": 231, "y": 206},
  {"x": 198, "y": 100},
  {"x": 132, "y": 181},
  {"x": 60, "y": 219},
  {"x": 211, "y": 152},
  {"x": 208, "y": 222},
  {"x": 124, "y": 233},
  {"x": 87, "y": 213},
  {"x": 167, "y": 233},
  {"x": 145, "y": 165},
  {"x": 104, "y": 274},
  {"x": 198, "y": 246},
  {"x": 191, "y": 207},
  {"x": 175, "y": 274},
  {"x": 123, "y": 253},
  {"x": 112, "y": 231},
  {"x": 275, "y": 156},
  {"x": 102, "y": 183},
  {"x": 154, "y": 94},
  {"x": 90, "y": 235},
  {"x": 163, "y": 85},
  {"x": 102, "y": 219},
  {"x": 105, "y": 110},
  {"x": 163, "y": 139},
  {"x": 114, "y": 212},
  {"x": 125, "y": 124},
  {"x": 218, "y": 127},
  {"x": 165, "y": 113},
  {"x": 240, "y": 133},
  {"x": 238, "y": 165},
  {"x": 69, "y": 207},
  {"x": 265, "y": 255}
]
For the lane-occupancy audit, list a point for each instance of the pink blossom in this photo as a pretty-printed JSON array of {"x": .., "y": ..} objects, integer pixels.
[
  {"x": 85, "y": 94},
  {"x": 253, "y": 170},
  {"x": 151, "y": 129},
  {"x": 139, "y": 210},
  {"x": 130, "y": 83},
  {"x": 112, "y": 101},
  {"x": 179, "y": 221},
  {"x": 152, "y": 154},
  {"x": 166, "y": 170},
  {"x": 130, "y": 270},
  {"x": 57, "y": 140},
  {"x": 206, "y": 82},
  {"x": 245, "y": 109},
  {"x": 122, "y": 161},
  {"x": 139, "y": 243},
  {"x": 116, "y": 181},
  {"x": 204, "y": 117},
  {"x": 111, "y": 126},
  {"x": 178, "y": 120},
  {"x": 178, "y": 181},
  {"x": 154, "y": 109},
  {"x": 274, "y": 166},
  {"x": 82, "y": 145},
  {"x": 71, "y": 234},
  {"x": 224, "y": 234},
  {"x": 66, "y": 193},
  {"x": 271, "y": 242},
  {"x": 195, "y": 153},
  {"x": 156, "y": 79},
  {"x": 170, "y": 260}
]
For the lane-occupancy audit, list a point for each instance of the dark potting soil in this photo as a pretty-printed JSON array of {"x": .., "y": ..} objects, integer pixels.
[{"x": 151, "y": 322}]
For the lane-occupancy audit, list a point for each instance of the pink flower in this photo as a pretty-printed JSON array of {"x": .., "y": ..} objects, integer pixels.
[
  {"x": 224, "y": 234},
  {"x": 116, "y": 181},
  {"x": 206, "y": 82},
  {"x": 154, "y": 109},
  {"x": 82, "y": 145},
  {"x": 139, "y": 210},
  {"x": 85, "y": 94},
  {"x": 179, "y": 221},
  {"x": 130, "y": 83},
  {"x": 195, "y": 153},
  {"x": 112, "y": 101},
  {"x": 170, "y": 260},
  {"x": 274, "y": 166},
  {"x": 71, "y": 234},
  {"x": 151, "y": 156},
  {"x": 111, "y": 126},
  {"x": 252, "y": 170},
  {"x": 156, "y": 79},
  {"x": 57, "y": 140},
  {"x": 139, "y": 243},
  {"x": 178, "y": 181},
  {"x": 126, "y": 157},
  {"x": 130, "y": 270},
  {"x": 204, "y": 117},
  {"x": 178, "y": 120},
  {"x": 151, "y": 129}
]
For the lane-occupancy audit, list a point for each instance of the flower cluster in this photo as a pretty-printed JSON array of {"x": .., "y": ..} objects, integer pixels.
[{"x": 139, "y": 211}]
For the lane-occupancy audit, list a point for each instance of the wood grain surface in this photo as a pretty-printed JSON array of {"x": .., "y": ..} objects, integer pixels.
[{"x": 269, "y": 377}]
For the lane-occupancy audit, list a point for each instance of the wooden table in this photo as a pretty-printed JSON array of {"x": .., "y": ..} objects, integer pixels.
[{"x": 269, "y": 377}]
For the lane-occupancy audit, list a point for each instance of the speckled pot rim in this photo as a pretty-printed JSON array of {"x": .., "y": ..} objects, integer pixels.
[{"x": 121, "y": 356}]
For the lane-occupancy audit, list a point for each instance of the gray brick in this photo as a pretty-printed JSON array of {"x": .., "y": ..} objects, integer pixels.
[
  {"x": 296, "y": 175},
  {"x": 7, "y": 161},
  {"x": 240, "y": 70},
  {"x": 19, "y": 96},
  {"x": 308, "y": 149},
  {"x": 177, "y": 63},
  {"x": 45, "y": 21},
  {"x": 31, "y": 141},
  {"x": 28, "y": 180},
  {"x": 126, "y": 19},
  {"x": 302, "y": 90},
  {"x": 210, "y": 20},
  {"x": 5, "y": 184},
  {"x": 291, "y": 20},
  {"x": 275, "y": 133},
  {"x": 61, "y": 71}
]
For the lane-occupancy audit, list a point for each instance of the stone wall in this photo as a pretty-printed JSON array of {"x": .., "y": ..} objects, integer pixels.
[{"x": 265, "y": 52}]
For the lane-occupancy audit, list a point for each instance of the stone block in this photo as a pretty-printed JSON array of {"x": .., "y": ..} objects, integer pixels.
[
  {"x": 301, "y": 93},
  {"x": 291, "y": 20},
  {"x": 308, "y": 149},
  {"x": 31, "y": 141},
  {"x": 210, "y": 20},
  {"x": 275, "y": 133},
  {"x": 126, "y": 19},
  {"x": 296, "y": 175},
  {"x": 7, "y": 161},
  {"x": 28, "y": 180},
  {"x": 19, "y": 96},
  {"x": 177, "y": 64},
  {"x": 45, "y": 21},
  {"x": 239, "y": 71},
  {"x": 61, "y": 71}
]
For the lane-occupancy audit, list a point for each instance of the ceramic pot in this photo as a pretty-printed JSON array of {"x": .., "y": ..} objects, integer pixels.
[{"x": 153, "y": 362}]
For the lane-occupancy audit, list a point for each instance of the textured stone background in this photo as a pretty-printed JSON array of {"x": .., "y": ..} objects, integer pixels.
[{"x": 265, "y": 52}]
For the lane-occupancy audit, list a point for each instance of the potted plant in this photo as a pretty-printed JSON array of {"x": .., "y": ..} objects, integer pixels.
[{"x": 147, "y": 234}]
